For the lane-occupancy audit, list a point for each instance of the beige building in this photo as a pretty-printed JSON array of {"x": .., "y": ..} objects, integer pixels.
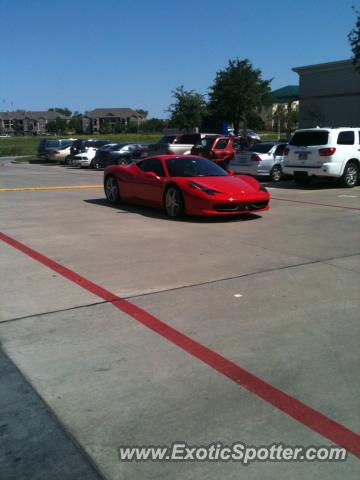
[
  {"x": 329, "y": 95},
  {"x": 283, "y": 109},
  {"x": 22, "y": 122},
  {"x": 94, "y": 121}
]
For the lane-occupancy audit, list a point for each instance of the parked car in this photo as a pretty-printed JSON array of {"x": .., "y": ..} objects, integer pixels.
[
  {"x": 184, "y": 185},
  {"x": 101, "y": 153},
  {"x": 60, "y": 155},
  {"x": 84, "y": 159},
  {"x": 120, "y": 154},
  {"x": 324, "y": 152},
  {"x": 80, "y": 146},
  {"x": 181, "y": 145},
  {"x": 251, "y": 135},
  {"x": 260, "y": 159},
  {"x": 218, "y": 149},
  {"x": 46, "y": 146}
]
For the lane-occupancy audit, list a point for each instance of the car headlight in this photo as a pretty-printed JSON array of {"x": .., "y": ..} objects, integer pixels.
[{"x": 209, "y": 191}]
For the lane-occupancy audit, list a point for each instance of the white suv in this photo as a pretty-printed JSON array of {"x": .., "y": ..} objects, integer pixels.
[{"x": 324, "y": 152}]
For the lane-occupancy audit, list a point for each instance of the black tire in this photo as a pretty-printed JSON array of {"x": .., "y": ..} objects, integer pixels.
[
  {"x": 302, "y": 180},
  {"x": 94, "y": 164},
  {"x": 68, "y": 160},
  {"x": 174, "y": 202},
  {"x": 350, "y": 176},
  {"x": 112, "y": 189},
  {"x": 276, "y": 173}
]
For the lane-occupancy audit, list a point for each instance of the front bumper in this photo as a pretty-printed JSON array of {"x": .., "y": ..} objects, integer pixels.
[
  {"x": 227, "y": 205},
  {"x": 81, "y": 163}
]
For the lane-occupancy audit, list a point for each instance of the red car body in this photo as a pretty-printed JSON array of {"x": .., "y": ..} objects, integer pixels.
[
  {"x": 201, "y": 195},
  {"x": 220, "y": 149}
]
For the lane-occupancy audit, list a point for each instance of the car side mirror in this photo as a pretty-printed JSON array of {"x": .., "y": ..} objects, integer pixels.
[{"x": 230, "y": 172}]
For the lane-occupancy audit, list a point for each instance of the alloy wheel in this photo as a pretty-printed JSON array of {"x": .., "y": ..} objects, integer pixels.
[
  {"x": 111, "y": 189},
  {"x": 173, "y": 203}
]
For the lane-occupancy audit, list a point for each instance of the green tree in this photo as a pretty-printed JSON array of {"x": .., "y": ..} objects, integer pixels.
[
  {"x": 238, "y": 91},
  {"x": 106, "y": 127},
  {"x": 154, "y": 125},
  {"x": 119, "y": 128},
  {"x": 188, "y": 109},
  {"x": 58, "y": 126},
  {"x": 75, "y": 123},
  {"x": 63, "y": 111},
  {"x": 354, "y": 39},
  {"x": 143, "y": 113}
]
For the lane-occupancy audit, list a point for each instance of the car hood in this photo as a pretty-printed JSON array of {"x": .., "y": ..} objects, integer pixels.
[{"x": 229, "y": 184}]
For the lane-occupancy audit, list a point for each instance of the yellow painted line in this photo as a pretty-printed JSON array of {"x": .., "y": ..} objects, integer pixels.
[{"x": 65, "y": 187}]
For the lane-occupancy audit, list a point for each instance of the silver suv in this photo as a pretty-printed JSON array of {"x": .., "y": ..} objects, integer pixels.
[{"x": 324, "y": 152}]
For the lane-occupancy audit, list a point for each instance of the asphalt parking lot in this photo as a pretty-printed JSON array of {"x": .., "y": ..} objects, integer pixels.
[{"x": 201, "y": 330}]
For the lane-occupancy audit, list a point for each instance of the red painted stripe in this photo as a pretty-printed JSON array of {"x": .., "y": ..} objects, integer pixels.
[
  {"x": 314, "y": 203},
  {"x": 316, "y": 421}
]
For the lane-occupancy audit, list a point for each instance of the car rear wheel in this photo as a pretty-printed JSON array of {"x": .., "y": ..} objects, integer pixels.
[
  {"x": 276, "y": 173},
  {"x": 112, "y": 190},
  {"x": 350, "y": 176},
  {"x": 174, "y": 202}
]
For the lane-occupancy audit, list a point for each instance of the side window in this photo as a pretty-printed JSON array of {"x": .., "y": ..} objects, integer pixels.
[
  {"x": 346, "y": 138},
  {"x": 152, "y": 165},
  {"x": 221, "y": 144},
  {"x": 280, "y": 150}
]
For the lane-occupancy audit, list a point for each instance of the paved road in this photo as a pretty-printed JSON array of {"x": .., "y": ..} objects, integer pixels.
[{"x": 275, "y": 294}]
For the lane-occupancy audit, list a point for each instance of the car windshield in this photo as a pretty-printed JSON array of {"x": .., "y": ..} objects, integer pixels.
[
  {"x": 261, "y": 147},
  {"x": 107, "y": 147},
  {"x": 193, "y": 167},
  {"x": 119, "y": 146},
  {"x": 310, "y": 138},
  {"x": 53, "y": 143}
]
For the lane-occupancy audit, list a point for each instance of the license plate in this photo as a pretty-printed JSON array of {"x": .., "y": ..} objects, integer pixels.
[{"x": 303, "y": 156}]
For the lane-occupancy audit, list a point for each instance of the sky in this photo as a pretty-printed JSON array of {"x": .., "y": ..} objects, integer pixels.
[{"x": 86, "y": 54}]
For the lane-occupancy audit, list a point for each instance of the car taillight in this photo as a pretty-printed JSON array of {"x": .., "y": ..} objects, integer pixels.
[
  {"x": 286, "y": 152},
  {"x": 255, "y": 158},
  {"x": 327, "y": 152}
]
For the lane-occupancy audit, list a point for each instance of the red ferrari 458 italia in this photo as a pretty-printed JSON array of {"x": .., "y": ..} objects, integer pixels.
[{"x": 184, "y": 185}]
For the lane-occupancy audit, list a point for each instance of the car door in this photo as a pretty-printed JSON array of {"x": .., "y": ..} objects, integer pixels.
[
  {"x": 273, "y": 157},
  {"x": 219, "y": 149},
  {"x": 149, "y": 182}
]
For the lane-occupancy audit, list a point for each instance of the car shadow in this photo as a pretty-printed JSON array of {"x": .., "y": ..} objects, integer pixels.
[
  {"x": 124, "y": 208},
  {"x": 315, "y": 184}
]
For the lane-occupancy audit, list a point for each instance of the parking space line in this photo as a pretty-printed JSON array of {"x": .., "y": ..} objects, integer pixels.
[
  {"x": 314, "y": 203},
  {"x": 299, "y": 411},
  {"x": 56, "y": 187}
]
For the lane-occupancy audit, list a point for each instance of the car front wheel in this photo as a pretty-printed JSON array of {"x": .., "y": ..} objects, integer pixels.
[
  {"x": 174, "y": 203},
  {"x": 112, "y": 190},
  {"x": 94, "y": 164},
  {"x": 350, "y": 176},
  {"x": 276, "y": 173}
]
